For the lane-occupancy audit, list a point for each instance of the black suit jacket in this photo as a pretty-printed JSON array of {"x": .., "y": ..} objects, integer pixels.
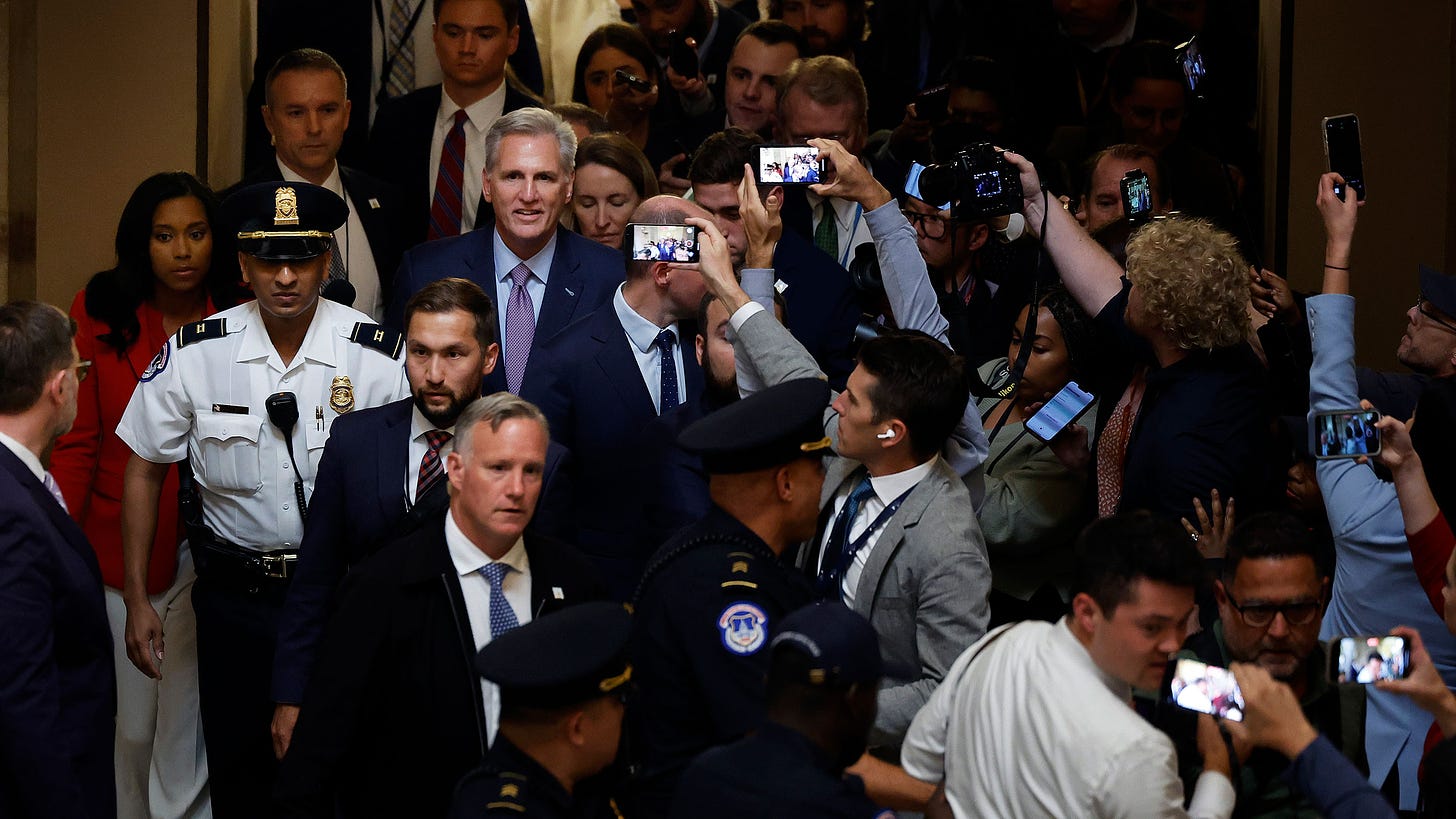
[
  {"x": 583, "y": 277},
  {"x": 378, "y": 205},
  {"x": 399, "y": 153},
  {"x": 587, "y": 382},
  {"x": 393, "y": 715},
  {"x": 57, "y": 678},
  {"x": 358, "y": 506}
]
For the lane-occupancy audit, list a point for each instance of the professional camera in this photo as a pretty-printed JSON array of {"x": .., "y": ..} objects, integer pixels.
[{"x": 979, "y": 183}]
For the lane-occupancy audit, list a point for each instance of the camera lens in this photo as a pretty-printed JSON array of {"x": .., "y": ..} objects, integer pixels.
[{"x": 938, "y": 183}]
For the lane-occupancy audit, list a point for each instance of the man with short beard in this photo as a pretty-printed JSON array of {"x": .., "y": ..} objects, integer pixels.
[
  {"x": 381, "y": 476},
  {"x": 1272, "y": 591}
]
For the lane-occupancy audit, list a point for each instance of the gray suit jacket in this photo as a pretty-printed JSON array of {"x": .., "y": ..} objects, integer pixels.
[{"x": 925, "y": 585}]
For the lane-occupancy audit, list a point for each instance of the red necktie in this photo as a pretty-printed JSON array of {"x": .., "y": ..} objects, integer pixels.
[
  {"x": 432, "y": 468},
  {"x": 446, "y": 210}
]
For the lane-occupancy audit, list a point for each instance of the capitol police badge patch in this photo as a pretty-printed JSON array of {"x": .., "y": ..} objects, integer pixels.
[
  {"x": 158, "y": 364},
  {"x": 744, "y": 628}
]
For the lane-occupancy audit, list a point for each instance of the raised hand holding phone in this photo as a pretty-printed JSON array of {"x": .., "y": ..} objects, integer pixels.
[
  {"x": 1272, "y": 715},
  {"x": 715, "y": 263},
  {"x": 762, "y": 224},
  {"x": 852, "y": 180},
  {"x": 1423, "y": 683}
]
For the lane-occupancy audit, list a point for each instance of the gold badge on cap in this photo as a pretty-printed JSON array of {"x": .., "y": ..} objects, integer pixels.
[
  {"x": 285, "y": 206},
  {"x": 341, "y": 394}
]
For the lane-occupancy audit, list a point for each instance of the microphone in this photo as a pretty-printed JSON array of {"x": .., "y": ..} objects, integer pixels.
[
  {"x": 283, "y": 413},
  {"x": 341, "y": 291}
]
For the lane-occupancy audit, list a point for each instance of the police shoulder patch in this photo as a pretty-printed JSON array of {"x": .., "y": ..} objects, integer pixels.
[
  {"x": 743, "y": 627},
  {"x": 383, "y": 339},
  {"x": 159, "y": 363},
  {"x": 201, "y": 331}
]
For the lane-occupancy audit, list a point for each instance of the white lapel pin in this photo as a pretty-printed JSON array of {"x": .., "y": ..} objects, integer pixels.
[
  {"x": 569, "y": 291},
  {"x": 557, "y": 593}
]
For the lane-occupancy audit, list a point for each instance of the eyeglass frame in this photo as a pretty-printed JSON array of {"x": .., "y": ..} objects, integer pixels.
[
  {"x": 923, "y": 219},
  {"x": 82, "y": 368},
  {"x": 1274, "y": 610},
  {"x": 1421, "y": 301}
]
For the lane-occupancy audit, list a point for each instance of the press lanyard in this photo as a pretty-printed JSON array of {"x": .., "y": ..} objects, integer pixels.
[{"x": 853, "y": 547}]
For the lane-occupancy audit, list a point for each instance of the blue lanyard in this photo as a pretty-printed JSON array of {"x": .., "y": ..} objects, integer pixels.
[{"x": 853, "y": 546}]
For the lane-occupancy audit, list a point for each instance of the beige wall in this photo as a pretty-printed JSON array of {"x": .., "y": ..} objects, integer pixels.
[
  {"x": 1399, "y": 81},
  {"x": 116, "y": 90}
]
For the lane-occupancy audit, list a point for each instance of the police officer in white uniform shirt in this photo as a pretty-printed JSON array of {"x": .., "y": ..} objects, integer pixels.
[{"x": 247, "y": 398}]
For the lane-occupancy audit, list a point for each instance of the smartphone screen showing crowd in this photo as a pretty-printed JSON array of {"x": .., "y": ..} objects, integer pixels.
[
  {"x": 1206, "y": 689},
  {"x": 662, "y": 243},
  {"x": 1368, "y": 659},
  {"x": 788, "y": 165},
  {"x": 1346, "y": 434},
  {"x": 1137, "y": 197}
]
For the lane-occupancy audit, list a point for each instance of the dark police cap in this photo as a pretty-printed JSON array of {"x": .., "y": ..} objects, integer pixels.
[
  {"x": 285, "y": 220},
  {"x": 839, "y": 643},
  {"x": 1439, "y": 289},
  {"x": 565, "y": 658},
  {"x": 768, "y": 428}
]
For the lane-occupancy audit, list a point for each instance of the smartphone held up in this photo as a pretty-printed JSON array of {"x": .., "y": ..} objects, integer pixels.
[
  {"x": 788, "y": 165},
  {"x": 1206, "y": 689},
  {"x": 662, "y": 243},
  {"x": 1367, "y": 659},
  {"x": 1343, "y": 154},
  {"x": 1346, "y": 434}
]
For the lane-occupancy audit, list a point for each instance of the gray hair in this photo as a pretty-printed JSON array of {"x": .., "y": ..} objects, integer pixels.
[
  {"x": 531, "y": 122},
  {"x": 494, "y": 409}
]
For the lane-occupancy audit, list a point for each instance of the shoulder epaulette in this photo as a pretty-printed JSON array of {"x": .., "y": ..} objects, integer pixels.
[
  {"x": 510, "y": 793},
  {"x": 383, "y": 339},
  {"x": 201, "y": 331}
]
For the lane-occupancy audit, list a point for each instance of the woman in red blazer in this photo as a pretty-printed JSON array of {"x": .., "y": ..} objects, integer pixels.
[{"x": 166, "y": 243}]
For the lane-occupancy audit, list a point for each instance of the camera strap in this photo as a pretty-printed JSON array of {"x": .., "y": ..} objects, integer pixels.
[{"x": 1018, "y": 367}]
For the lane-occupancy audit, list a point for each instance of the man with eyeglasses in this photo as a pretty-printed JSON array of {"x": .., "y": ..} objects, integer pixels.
[{"x": 1272, "y": 591}]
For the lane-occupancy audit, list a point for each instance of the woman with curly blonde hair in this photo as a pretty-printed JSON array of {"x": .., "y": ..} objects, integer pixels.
[{"x": 1183, "y": 408}]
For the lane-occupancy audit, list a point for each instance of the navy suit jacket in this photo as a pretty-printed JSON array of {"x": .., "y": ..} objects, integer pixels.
[
  {"x": 583, "y": 277},
  {"x": 57, "y": 678},
  {"x": 822, "y": 305},
  {"x": 587, "y": 383},
  {"x": 393, "y": 716},
  {"x": 357, "y": 507},
  {"x": 378, "y": 206},
  {"x": 399, "y": 153}
]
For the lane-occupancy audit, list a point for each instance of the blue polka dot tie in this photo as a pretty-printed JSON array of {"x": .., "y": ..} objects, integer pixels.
[
  {"x": 668, "y": 398},
  {"x": 502, "y": 616}
]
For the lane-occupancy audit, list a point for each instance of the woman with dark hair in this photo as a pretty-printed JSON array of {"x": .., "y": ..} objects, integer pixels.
[
  {"x": 612, "y": 179},
  {"x": 173, "y": 267},
  {"x": 1035, "y": 504},
  {"x": 627, "y": 106}
]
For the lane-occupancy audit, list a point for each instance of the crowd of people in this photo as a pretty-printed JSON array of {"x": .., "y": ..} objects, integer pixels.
[{"x": 579, "y": 527}]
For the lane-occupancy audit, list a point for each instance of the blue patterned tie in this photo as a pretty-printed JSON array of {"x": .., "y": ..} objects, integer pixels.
[
  {"x": 668, "y": 399},
  {"x": 502, "y": 616},
  {"x": 837, "y": 546}
]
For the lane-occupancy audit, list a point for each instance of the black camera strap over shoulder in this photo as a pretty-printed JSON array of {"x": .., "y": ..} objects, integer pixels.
[{"x": 1023, "y": 355}]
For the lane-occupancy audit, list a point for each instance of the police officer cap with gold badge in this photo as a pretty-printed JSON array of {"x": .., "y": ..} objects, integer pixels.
[
  {"x": 563, "y": 681},
  {"x": 285, "y": 221}
]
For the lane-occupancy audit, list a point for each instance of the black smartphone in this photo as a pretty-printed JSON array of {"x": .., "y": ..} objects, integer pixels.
[
  {"x": 662, "y": 243},
  {"x": 932, "y": 104},
  {"x": 1345, "y": 434},
  {"x": 1060, "y": 412},
  {"x": 1206, "y": 689},
  {"x": 682, "y": 57},
  {"x": 1342, "y": 153},
  {"x": 637, "y": 83},
  {"x": 1137, "y": 197},
  {"x": 1190, "y": 60},
  {"x": 912, "y": 185},
  {"x": 1366, "y": 659},
  {"x": 788, "y": 165}
]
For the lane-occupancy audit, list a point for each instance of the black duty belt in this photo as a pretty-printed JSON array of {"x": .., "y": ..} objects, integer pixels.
[{"x": 224, "y": 558}]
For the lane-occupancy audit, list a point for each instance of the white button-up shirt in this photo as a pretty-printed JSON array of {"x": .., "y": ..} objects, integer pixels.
[
  {"x": 642, "y": 338},
  {"x": 1033, "y": 728},
  {"x": 206, "y": 401}
]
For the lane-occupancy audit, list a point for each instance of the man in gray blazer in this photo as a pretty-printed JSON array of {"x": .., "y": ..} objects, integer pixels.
[{"x": 898, "y": 539}]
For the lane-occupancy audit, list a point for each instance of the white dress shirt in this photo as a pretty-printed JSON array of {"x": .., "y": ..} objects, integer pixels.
[
  {"x": 516, "y": 586},
  {"x": 887, "y": 488},
  {"x": 479, "y": 116},
  {"x": 849, "y": 217},
  {"x": 25, "y": 455},
  {"x": 1033, "y": 728},
  {"x": 351, "y": 240},
  {"x": 642, "y": 335},
  {"x": 418, "y": 446}
]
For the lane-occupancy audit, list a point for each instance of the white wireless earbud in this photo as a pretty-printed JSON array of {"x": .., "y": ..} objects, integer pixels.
[{"x": 886, "y": 435}]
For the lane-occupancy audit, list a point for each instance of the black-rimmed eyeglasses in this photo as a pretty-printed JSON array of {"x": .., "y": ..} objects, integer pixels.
[{"x": 1260, "y": 615}]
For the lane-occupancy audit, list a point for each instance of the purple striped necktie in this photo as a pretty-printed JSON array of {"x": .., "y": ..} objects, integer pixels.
[
  {"x": 446, "y": 209},
  {"x": 49, "y": 481},
  {"x": 520, "y": 327}
]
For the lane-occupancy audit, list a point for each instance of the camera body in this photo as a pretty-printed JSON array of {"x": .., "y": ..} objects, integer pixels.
[
  {"x": 979, "y": 183},
  {"x": 637, "y": 84}
]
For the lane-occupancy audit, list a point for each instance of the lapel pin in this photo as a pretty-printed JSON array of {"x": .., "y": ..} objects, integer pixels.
[
  {"x": 557, "y": 593},
  {"x": 374, "y": 203}
]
